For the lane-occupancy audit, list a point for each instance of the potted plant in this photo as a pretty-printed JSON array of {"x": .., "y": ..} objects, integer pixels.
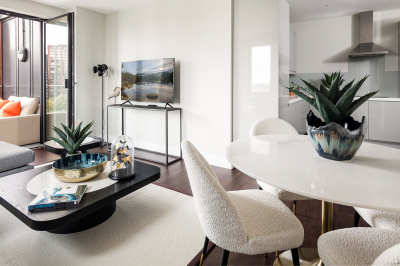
[
  {"x": 72, "y": 138},
  {"x": 339, "y": 136}
]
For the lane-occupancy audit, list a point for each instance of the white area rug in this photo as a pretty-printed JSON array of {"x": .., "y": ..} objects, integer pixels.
[{"x": 151, "y": 226}]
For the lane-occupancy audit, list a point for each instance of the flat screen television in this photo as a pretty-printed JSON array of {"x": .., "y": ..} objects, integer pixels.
[{"x": 148, "y": 80}]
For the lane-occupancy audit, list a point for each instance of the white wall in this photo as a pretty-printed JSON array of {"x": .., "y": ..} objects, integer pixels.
[
  {"x": 31, "y": 8},
  {"x": 324, "y": 45},
  {"x": 89, "y": 51},
  {"x": 198, "y": 35}
]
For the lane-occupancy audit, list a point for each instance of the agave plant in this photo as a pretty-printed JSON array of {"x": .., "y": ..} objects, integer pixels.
[
  {"x": 333, "y": 103},
  {"x": 72, "y": 138}
]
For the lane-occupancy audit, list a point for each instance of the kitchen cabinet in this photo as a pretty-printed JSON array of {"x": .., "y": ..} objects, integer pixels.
[
  {"x": 384, "y": 120},
  {"x": 292, "y": 52},
  {"x": 296, "y": 115},
  {"x": 284, "y": 113}
]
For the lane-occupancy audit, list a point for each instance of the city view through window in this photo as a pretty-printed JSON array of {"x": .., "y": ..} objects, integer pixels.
[{"x": 57, "y": 68}]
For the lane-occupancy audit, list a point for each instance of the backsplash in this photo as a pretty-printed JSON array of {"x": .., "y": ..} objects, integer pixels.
[{"x": 387, "y": 82}]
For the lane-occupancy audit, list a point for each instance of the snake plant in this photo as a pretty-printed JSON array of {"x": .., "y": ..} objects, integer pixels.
[
  {"x": 333, "y": 103},
  {"x": 72, "y": 138}
]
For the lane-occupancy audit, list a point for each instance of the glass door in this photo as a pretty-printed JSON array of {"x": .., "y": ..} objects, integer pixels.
[{"x": 57, "y": 74}]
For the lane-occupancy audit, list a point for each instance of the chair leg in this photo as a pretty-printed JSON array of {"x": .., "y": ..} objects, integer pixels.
[
  {"x": 225, "y": 256},
  {"x": 356, "y": 219},
  {"x": 295, "y": 256},
  {"x": 260, "y": 188},
  {"x": 204, "y": 250}
]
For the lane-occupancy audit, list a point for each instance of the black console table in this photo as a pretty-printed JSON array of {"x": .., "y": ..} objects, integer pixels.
[{"x": 164, "y": 158}]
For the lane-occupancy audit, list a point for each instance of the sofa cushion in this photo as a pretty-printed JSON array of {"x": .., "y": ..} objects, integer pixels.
[
  {"x": 29, "y": 105},
  {"x": 11, "y": 109},
  {"x": 12, "y": 156},
  {"x": 3, "y": 102}
]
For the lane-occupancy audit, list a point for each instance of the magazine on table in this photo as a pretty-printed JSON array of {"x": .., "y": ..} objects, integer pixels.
[{"x": 58, "y": 198}]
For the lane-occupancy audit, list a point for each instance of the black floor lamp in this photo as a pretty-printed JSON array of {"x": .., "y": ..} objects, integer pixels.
[{"x": 100, "y": 69}]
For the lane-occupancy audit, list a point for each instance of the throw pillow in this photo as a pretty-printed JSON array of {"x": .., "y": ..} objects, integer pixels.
[
  {"x": 3, "y": 102},
  {"x": 29, "y": 105},
  {"x": 11, "y": 109}
]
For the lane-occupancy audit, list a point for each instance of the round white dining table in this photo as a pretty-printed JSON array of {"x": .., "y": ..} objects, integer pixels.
[{"x": 371, "y": 179}]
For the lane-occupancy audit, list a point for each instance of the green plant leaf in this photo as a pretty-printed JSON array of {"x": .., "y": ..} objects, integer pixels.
[
  {"x": 310, "y": 86},
  {"x": 346, "y": 100},
  {"x": 306, "y": 98},
  {"x": 345, "y": 88},
  {"x": 77, "y": 131},
  {"x": 60, "y": 134},
  {"x": 323, "y": 89},
  {"x": 85, "y": 129},
  {"x": 328, "y": 80},
  {"x": 64, "y": 144},
  {"x": 334, "y": 90},
  {"x": 70, "y": 135},
  {"x": 357, "y": 103},
  {"x": 306, "y": 90},
  {"x": 79, "y": 142},
  {"x": 329, "y": 112}
]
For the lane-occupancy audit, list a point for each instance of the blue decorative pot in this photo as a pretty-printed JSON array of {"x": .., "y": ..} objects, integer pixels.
[{"x": 334, "y": 141}]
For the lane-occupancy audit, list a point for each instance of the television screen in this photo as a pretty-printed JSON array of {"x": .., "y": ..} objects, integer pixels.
[{"x": 148, "y": 80}]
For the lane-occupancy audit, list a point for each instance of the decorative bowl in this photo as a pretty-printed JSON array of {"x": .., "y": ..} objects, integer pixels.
[
  {"x": 81, "y": 167},
  {"x": 333, "y": 141}
]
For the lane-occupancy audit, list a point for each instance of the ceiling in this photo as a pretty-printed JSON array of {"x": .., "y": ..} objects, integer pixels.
[
  {"x": 300, "y": 10},
  {"x": 306, "y": 10}
]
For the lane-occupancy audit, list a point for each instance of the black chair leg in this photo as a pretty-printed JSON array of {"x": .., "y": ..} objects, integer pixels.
[
  {"x": 225, "y": 256},
  {"x": 295, "y": 256},
  {"x": 204, "y": 250},
  {"x": 356, "y": 219}
]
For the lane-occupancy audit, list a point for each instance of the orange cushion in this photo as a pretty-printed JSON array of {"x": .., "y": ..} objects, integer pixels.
[
  {"x": 3, "y": 102},
  {"x": 11, "y": 109}
]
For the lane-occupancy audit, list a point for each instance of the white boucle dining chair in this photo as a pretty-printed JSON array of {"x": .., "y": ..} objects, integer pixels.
[
  {"x": 359, "y": 246},
  {"x": 268, "y": 126},
  {"x": 248, "y": 221},
  {"x": 377, "y": 218}
]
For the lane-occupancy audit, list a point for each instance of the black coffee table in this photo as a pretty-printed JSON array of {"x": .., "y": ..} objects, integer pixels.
[{"x": 95, "y": 207}]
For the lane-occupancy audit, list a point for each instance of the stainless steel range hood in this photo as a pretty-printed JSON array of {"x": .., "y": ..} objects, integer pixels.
[{"x": 366, "y": 46}]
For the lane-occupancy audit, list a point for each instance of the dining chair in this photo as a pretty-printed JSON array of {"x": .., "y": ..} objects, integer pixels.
[
  {"x": 389, "y": 257},
  {"x": 268, "y": 126},
  {"x": 358, "y": 246},
  {"x": 377, "y": 218},
  {"x": 247, "y": 221}
]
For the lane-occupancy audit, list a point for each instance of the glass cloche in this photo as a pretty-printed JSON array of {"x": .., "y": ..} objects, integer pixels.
[{"x": 122, "y": 155}]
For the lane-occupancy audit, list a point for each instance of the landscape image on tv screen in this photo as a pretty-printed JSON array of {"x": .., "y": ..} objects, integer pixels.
[{"x": 148, "y": 80}]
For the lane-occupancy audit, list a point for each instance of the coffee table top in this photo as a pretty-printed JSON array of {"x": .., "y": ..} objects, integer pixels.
[{"x": 15, "y": 198}]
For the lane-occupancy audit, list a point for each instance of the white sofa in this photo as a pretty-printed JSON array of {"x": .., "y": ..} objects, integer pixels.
[{"x": 23, "y": 129}]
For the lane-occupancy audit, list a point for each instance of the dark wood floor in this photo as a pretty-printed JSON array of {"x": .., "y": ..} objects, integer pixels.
[{"x": 175, "y": 177}]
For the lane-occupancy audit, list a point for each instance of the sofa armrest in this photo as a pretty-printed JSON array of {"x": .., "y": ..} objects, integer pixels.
[{"x": 20, "y": 130}]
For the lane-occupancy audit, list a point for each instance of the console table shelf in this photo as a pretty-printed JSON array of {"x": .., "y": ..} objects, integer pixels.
[{"x": 158, "y": 157}]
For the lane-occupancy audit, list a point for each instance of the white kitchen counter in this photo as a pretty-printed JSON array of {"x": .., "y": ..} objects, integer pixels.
[{"x": 385, "y": 99}]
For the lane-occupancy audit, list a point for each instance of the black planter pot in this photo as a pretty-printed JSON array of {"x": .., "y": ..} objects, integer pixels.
[{"x": 334, "y": 141}]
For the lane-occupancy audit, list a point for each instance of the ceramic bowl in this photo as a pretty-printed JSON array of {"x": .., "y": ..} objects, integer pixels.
[
  {"x": 81, "y": 167},
  {"x": 334, "y": 141}
]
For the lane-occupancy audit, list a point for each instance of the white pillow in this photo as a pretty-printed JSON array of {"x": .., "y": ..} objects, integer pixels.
[
  {"x": 29, "y": 105},
  {"x": 14, "y": 98}
]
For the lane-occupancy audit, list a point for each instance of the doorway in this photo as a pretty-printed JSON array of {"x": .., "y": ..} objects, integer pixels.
[{"x": 47, "y": 71}]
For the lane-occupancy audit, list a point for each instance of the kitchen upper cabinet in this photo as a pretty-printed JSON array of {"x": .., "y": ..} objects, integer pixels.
[
  {"x": 384, "y": 121},
  {"x": 293, "y": 52}
]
